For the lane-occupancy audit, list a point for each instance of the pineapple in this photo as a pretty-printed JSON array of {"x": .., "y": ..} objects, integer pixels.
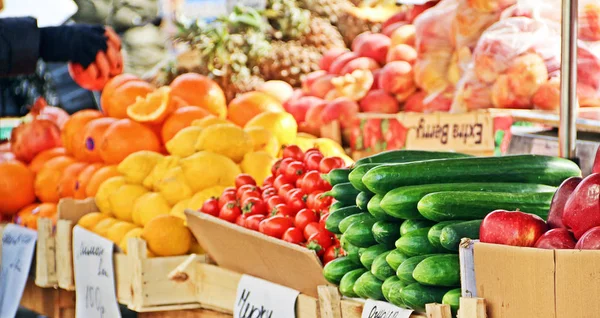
[
  {"x": 289, "y": 61},
  {"x": 356, "y": 20},
  {"x": 327, "y": 9}
]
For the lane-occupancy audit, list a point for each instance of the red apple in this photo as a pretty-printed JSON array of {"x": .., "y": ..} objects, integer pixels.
[
  {"x": 330, "y": 56},
  {"x": 388, "y": 30},
  {"x": 361, "y": 63},
  {"x": 375, "y": 46},
  {"x": 590, "y": 240},
  {"x": 582, "y": 210},
  {"x": 559, "y": 200},
  {"x": 596, "y": 167},
  {"x": 402, "y": 52},
  {"x": 512, "y": 228},
  {"x": 310, "y": 78},
  {"x": 397, "y": 77},
  {"x": 321, "y": 86},
  {"x": 338, "y": 64},
  {"x": 378, "y": 101},
  {"x": 398, "y": 17},
  {"x": 343, "y": 109},
  {"x": 560, "y": 239}
]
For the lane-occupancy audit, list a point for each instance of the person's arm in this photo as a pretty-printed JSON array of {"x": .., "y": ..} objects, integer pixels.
[{"x": 19, "y": 46}]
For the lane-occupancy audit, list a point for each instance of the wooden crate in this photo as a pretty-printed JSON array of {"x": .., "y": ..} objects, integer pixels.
[{"x": 48, "y": 302}]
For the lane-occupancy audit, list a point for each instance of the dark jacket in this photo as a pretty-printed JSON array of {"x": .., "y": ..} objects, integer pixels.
[{"x": 19, "y": 46}]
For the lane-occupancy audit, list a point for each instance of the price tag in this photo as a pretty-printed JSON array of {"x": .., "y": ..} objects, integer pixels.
[
  {"x": 94, "y": 275},
  {"x": 381, "y": 309},
  {"x": 259, "y": 298},
  {"x": 18, "y": 245}
]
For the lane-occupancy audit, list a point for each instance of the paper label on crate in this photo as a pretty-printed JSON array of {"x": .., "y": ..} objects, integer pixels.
[
  {"x": 94, "y": 276},
  {"x": 18, "y": 245},
  {"x": 259, "y": 298},
  {"x": 381, "y": 309}
]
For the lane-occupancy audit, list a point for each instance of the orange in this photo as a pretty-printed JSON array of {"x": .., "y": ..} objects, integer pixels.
[
  {"x": 46, "y": 181},
  {"x": 179, "y": 119},
  {"x": 154, "y": 108},
  {"x": 72, "y": 131},
  {"x": 125, "y": 137},
  {"x": 16, "y": 187},
  {"x": 40, "y": 159},
  {"x": 199, "y": 90},
  {"x": 98, "y": 178},
  {"x": 245, "y": 106},
  {"x": 66, "y": 185},
  {"x": 24, "y": 213},
  {"x": 121, "y": 92},
  {"x": 44, "y": 210},
  {"x": 92, "y": 137},
  {"x": 83, "y": 179}
]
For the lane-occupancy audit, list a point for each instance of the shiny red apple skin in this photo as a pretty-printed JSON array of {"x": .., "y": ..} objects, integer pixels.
[
  {"x": 556, "y": 239},
  {"x": 512, "y": 228},
  {"x": 559, "y": 200},
  {"x": 590, "y": 240},
  {"x": 582, "y": 209}
]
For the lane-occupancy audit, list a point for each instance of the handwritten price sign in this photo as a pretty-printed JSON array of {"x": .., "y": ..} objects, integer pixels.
[
  {"x": 259, "y": 298},
  {"x": 381, "y": 309},
  {"x": 18, "y": 245},
  {"x": 94, "y": 275}
]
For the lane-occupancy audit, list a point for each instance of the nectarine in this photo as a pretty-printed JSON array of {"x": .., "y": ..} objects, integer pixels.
[
  {"x": 321, "y": 86},
  {"x": 404, "y": 35},
  {"x": 378, "y": 101},
  {"x": 397, "y": 78},
  {"x": 361, "y": 63},
  {"x": 374, "y": 46},
  {"x": 308, "y": 80},
  {"x": 547, "y": 96},
  {"x": 330, "y": 56},
  {"x": 338, "y": 64},
  {"x": 342, "y": 109},
  {"x": 402, "y": 52}
]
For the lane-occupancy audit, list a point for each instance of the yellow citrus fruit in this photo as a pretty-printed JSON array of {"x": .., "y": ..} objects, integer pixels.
[
  {"x": 159, "y": 171},
  {"x": 182, "y": 144},
  {"x": 347, "y": 160},
  {"x": 209, "y": 121},
  {"x": 328, "y": 147},
  {"x": 281, "y": 124},
  {"x": 228, "y": 140},
  {"x": 306, "y": 135},
  {"x": 205, "y": 169},
  {"x": 122, "y": 200},
  {"x": 107, "y": 188},
  {"x": 166, "y": 235},
  {"x": 304, "y": 143},
  {"x": 173, "y": 186},
  {"x": 135, "y": 233},
  {"x": 263, "y": 139},
  {"x": 103, "y": 226},
  {"x": 138, "y": 165},
  {"x": 179, "y": 208},
  {"x": 90, "y": 220},
  {"x": 118, "y": 230},
  {"x": 148, "y": 206},
  {"x": 198, "y": 199},
  {"x": 258, "y": 165}
]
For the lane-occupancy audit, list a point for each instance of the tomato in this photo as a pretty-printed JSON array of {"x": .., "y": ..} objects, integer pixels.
[
  {"x": 312, "y": 228},
  {"x": 310, "y": 152},
  {"x": 273, "y": 201},
  {"x": 319, "y": 242},
  {"x": 282, "y": 209},
  {"x": 268, "y": 192},
  {"x": 244, "y": 188},
  {"x": 250, "y": 194},
  {"x": 304, "y": 217},
  {"x": 293, "y": 235},
  {"x": 330, "y": 163},
  {"x": 253, "y": 221},
  {"x": 312, "y": 161},
  {"x": 279, "y": 181},
  {"x": 318, "y": 202},
  {"x": 294, "y": 171},
  {"x": 268, "y": 180},
  {"x": 331, "y": 253},
  {"x": 296, "y": 201},
  {"x": 210, "y": 206},
  {"x": 311, "y": 182},
  {"x": 243, "y": 179},
  {"x": 275, "y": 167},
  {"x": 293, "y": 152},
  {"x": 284, "y": 190},
  {"x": 323, "y": 218},
  {"x": 241, "y": 220},
  {"x": 227, "y": 196},
  {"x": 283, "y": 166},
  {"x": 230, "y": 211},
  {"x": 252, "y": 206},
  {"x": 275, "y": 226}
]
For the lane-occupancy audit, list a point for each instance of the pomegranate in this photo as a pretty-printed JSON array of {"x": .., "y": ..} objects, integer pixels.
[{"x": 54, "y": 114}]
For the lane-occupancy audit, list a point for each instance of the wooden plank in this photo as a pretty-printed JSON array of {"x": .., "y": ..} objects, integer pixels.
[
  {"x": 64, "y": 254},
  {"x": 333, "y": 131},
  {"x": 471, "y": 308},
  {"x": 467, "y": 268},
  {"x": 438, "y": 311},
  {"x": 48, "y": 302},
  {"x": 45, "y": 269},
  {"x": 329, "y": 302},
  {"x": 192, "y": 313},
  {"x": 352, "y": 308},
  {"x": 584, "y": 122}
]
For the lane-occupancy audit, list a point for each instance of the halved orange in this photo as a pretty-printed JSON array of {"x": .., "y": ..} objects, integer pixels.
[{"x": 154, "y": 108}]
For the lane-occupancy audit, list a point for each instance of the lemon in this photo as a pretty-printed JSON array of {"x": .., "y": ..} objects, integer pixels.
[
  {"x": 306, "y": 135},
  {"x": 199, "y": 198},
  {"x": 148, "y": 206},
  {"x": 107, "y": 187},
  {"x": 228, "y": 140},
  {"x": 258, "y": 165},
  {"x": 182, "y": 144},
  {"x": 122, "y": 200},
  {"x": 263, "y": 139},
  {"x": 173, "y": 186},
  {"x": 159, "y": 171},
  {"x": 138, "y": 165},
  {"x": 209, "y": 121},
  {"x": 205, "y": 169},
  {"x": 118, "y": 230},
  {"x": 103, "y": 226},
  {"x": 281, "y": 124},
  {"x": 135, "y": 233},
  {"x": 179, "y": 208},
  {"x": 166, "y": 235},
  {"x": 90, "y": 220},
  {"x": 304, "y": 143},
  {"x": 328, "y": 147}
]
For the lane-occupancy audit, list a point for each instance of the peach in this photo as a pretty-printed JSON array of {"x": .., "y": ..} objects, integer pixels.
[
  {"x": 588, "y": 96},
  {"x": 417, "y": 9},
  {"x": 490, "y": 6},
  {"x": 378, "y": 101},
  {"x": 476, "y": 95},
  {"x": 361, "y": 63},
  {"x": 358, "y": 40},
  {"x": 338, "y": 64},
  {"x": 504, "y": 97},
  {"x": 402, "y": 52},
  {"x": 281, "y": 90},
  {"x": 330, "y": 56},
  {"x": 414, "y": 103},
  {"x": 300, "y": 107},
  {"x": 526, "y": 74},
  {"x": 321, "y": 86},
  {"x": 439, "y": 103},
  {"x": 404, "y": 35},
  {"x": 589, "y": 22},
  {"x": 374, "y": 46},
  {"x": 342, "y": 109},
  {"x": 309, "y": 79},
  {"x": 547, "y": 96},
  {"x": 404, "y": 95},
  {"x": 397, "y": 77},
  {"x": 588, "y": 64},
  {"x": 396, "y": 18},
  {"x": 354, "y": 85},
  {"x": 313, "y": 116},
  {"x": 376, "y": 76},
  {"x": 468, "y": 25},
  {"x": 389, "y": 30},
  {"x": 431, "y": 72}
]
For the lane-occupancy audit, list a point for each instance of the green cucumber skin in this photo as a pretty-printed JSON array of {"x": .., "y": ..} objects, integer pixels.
[
  {"x": 333, "y": 220},
  {"x": 368, "y": 286},
  {"x": 386, "y": 232},
  {"x": 347, "y": 282},
  {"x": 413, "y": 225},
  {"x": 352, "y": 252},
  {"x": 435, "y": 231},
  {"x": 405, "y": 270},
  {"x": 416, "y": 296},
  {"x": 416, "y": 243},
  {"x": 397, "y": 156},
  {"x": 376, "y": 211},
  {"x": 360, "y": 234},
  {"x": 337, "y": 205},
  {"x": 337, "y": 176},
  {"x": 387, "y": 286},
  {"x": 380, "y": 268},
  {"x": 520, "y": 168},
  {"x": 402, "y": 202},
  {"x": 346, "y": 222},
  {"x": 452, "y": 298},
  {"x": 357, "y": 174},
  {"x": 451, "y": 235},
  {"x": 336, "y": 269},
  {"x": 471, "y": 205},
  {"x": 439, "y": 270},
  {"x": 362, "y": 200},
  {"x": 395, "y": 259},
  {"x": 394, "y": 289},
  {"x": 368, "y": 255},
  {"x": 344, "y": 192}
]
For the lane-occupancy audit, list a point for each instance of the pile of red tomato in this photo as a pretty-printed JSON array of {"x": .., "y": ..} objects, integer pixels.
[{"x": 290, "y": 204}]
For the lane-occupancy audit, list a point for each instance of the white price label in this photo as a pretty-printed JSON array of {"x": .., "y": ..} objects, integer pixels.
[
  {"x": 259, "y": 298},
  {"x": 18, "y": 245},
  {"x": 381, "y": 309},
  {"x": 94, "y": 276}
]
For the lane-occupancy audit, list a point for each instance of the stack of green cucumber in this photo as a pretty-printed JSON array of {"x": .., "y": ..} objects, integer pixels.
[{"x": 402, "y": 214}]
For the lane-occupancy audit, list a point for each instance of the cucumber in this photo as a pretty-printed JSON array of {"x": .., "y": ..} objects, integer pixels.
[
  {"x": 452, "y": 298},
  {"x": 380, "y": 268},
  {"x": 522, "y": 168},
  {"x": 337, "y": 205},
  {"x": 405, "y": 270},
  {"x": 335, "y": 217},
  {"x": 345, "y": 223},
  {"x": 402, "y": 202},
  {"x": 368, "y": 286},
  {"x": 416, "y": 243},
  {"x": 357, "y": 174},
  {"x": 387, "y": 286},
  {"x": 368, "y": 255},
  {"x": 435, "y": 231},
  {"x": 347, "y": 282},
  {"x": 394, "y": 289},
  {"x": 412, "y": 225},
  {"x": 352, "y": 252},
  {"x": 343, "y": 192},
  {"x": 362, "y": 200},
  {"x": 470, "y": 205},
  {"x": 394, "y": 156},
  {"x": 360, "y": 233},
  {"x": 416, "y": 296},
  {"x": 438, "y": 270},
  {"x": 395, "y": 258},
  {"x": 452, "y": 234},
  {"x": 337, "y": 176},
  {"x": 376, "y": 211},
  {"x": 386, "y": 232},
  {"x": 336, "y": 269}
]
